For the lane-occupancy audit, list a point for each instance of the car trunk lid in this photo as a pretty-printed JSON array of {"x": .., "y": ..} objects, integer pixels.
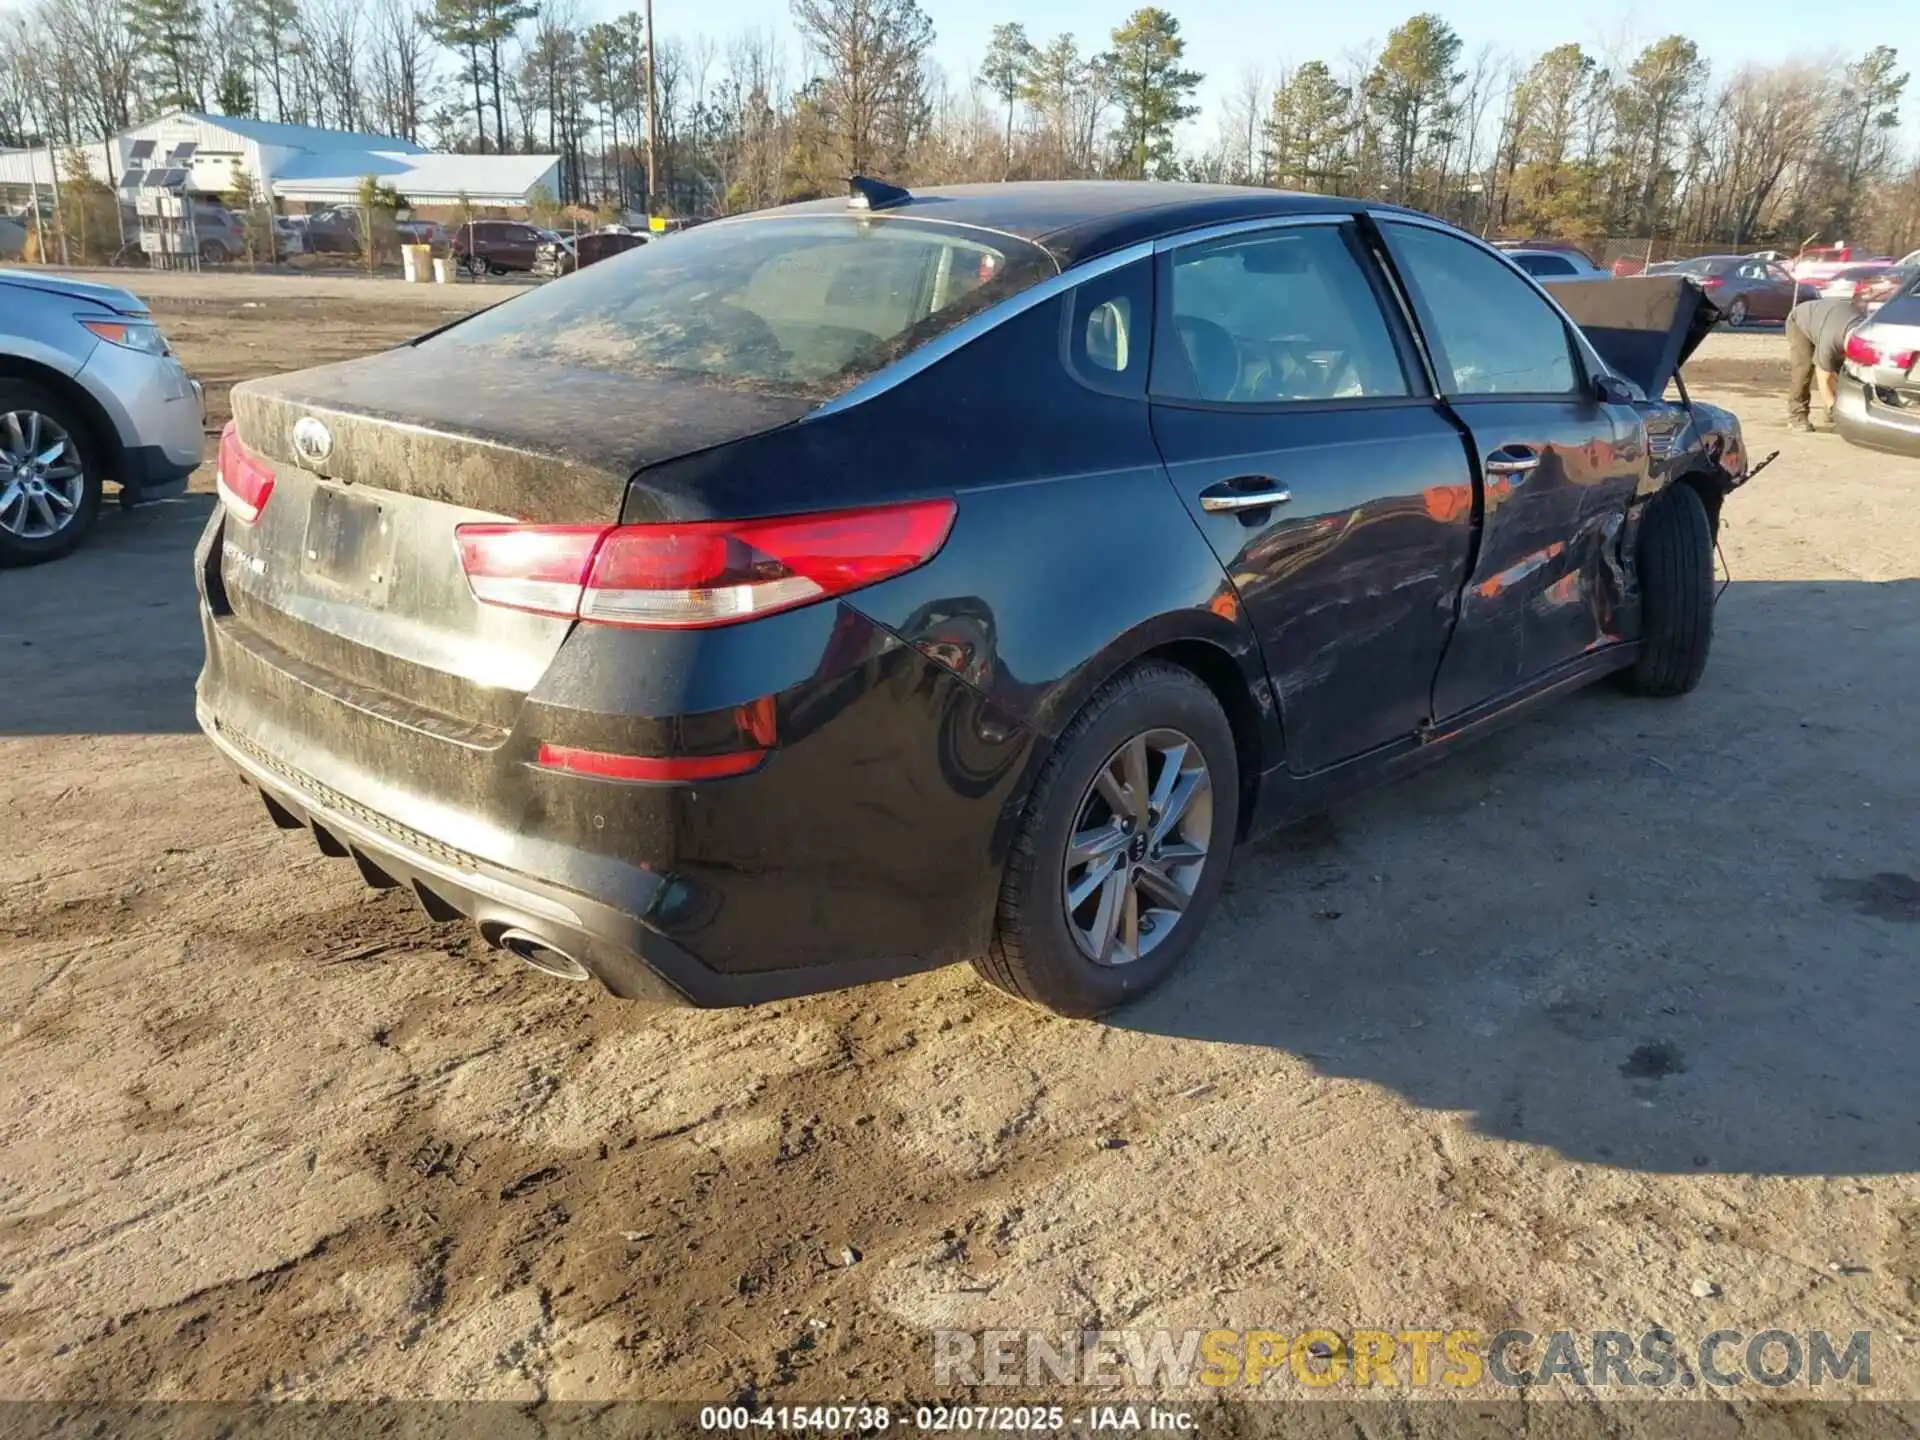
[
  {"x": 351, "y": 570},
  {"x": 532, "y": 441},
  {"x": 1893, "y": 331},
  {"x": 1644, "y": 327}
]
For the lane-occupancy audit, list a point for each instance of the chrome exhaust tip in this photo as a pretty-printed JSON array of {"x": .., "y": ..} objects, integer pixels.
[{"x": 542, "y": 956}]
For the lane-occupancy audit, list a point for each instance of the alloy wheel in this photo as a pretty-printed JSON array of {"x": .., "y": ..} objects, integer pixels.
[
  {"x": 1139, "y": 844},
  {"x": 1737, "y": 316},
  {"x": 42, "y": 477}
]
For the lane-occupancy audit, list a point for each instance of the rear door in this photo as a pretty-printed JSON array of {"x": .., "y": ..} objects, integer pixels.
[
  {"x": 1557, "y": 467},
  {"x": 1293, "y": 416},
  {"x": 515, "y": 246},
  {"x": 1775, "y": 297}
]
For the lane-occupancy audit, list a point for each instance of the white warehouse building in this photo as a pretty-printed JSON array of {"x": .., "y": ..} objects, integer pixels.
[{"x": 297, "y": 166}]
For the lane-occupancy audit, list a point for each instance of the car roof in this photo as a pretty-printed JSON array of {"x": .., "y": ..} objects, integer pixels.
[{"x": 1074, "y": 220}]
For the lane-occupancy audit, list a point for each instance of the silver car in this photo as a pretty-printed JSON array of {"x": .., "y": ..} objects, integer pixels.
[
  {"x": 89, "y": 392},
  {"x": 1544, "y": 264},
  {"x": 1877, "y": 400}
]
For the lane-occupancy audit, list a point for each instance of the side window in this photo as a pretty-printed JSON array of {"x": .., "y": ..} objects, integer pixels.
[
  {"x": 1108, "y": 320},
  {"x": 1544, "y": 265},
  {"x": 1281, "y": 315},
  {"x": 1492, "y": 333}
]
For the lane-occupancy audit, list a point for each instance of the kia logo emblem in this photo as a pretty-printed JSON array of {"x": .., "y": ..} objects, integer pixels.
[{"x": 312, "y": 441}]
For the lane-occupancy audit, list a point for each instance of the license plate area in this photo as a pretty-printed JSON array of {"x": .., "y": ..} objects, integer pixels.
[{"x": 349, "y": 545}]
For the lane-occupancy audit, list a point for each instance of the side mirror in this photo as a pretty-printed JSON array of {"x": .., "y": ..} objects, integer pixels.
[{"x": 1612, "y": 390}]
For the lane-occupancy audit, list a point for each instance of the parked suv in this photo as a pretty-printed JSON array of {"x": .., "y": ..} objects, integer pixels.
[
  {"x": 494, "y": 247},
  {"x": 89, "y": 392},
  {"x": 221, "y": 235}
]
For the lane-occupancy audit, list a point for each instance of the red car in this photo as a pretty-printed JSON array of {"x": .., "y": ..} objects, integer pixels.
[{"x": 1819, "y": 265}]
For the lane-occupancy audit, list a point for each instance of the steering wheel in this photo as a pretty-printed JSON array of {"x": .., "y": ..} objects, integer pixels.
[{"x": 1212, "y": 354}]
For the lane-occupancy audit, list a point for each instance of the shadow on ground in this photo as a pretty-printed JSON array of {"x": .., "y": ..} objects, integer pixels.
[
  {"x": 1664, "y": 935},
  {"x": 106, "y": 641},
  {"x": 1672, "y": 936}
]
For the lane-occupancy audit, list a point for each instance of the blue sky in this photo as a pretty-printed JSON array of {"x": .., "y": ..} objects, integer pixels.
[{"x": 1225, "y": 36}]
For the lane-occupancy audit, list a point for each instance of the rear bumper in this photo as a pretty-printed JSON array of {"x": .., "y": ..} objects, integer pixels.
[
  {"x": 1865, "y": 421},
  {"x": 630, "y": 959},
  {"x": 868, "y": 846}
]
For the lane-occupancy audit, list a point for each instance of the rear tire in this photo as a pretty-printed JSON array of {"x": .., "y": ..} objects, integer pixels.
[
  {"x": 1737, "y": 313},
  {"x": 1676, "y": 593},
  {"x": 1037, "y": 952},
  {"x": 23, "y": 515}
]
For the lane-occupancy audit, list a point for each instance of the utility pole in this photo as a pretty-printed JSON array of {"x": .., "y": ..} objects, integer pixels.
[
  {"x": 59, "y": 225},
  {"x": 107, "y": 148},
  {"x": 652, "y": 130},
  {"x": 33, "y": 209}
]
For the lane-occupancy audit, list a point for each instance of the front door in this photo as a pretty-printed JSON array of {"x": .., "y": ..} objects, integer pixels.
[
  {"x": 1558, "y": 468},
  {"x": 1290, "y": 410}
]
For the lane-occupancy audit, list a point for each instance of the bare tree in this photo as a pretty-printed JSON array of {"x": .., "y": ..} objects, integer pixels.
[
  {"x": 334, "y": 35},
  {"x": 400, "y": 68},
  {"x": 870, "y": 92},
  {"x": 96, "y": 37}
]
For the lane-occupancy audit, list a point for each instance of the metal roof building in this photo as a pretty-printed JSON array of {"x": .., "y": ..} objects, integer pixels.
[{"x": 297, "y": 163}]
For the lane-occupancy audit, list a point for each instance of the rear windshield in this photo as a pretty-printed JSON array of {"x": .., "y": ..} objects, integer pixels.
[{"x": 803, "y": 305}]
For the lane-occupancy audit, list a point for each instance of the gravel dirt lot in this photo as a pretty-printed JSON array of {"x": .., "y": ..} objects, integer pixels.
[{"x": 1620, "y": 1002}]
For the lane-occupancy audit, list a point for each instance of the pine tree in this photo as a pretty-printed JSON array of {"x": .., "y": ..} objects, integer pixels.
[
  {"x": 168, "y": 33},
  {"x": 460, "y": 25},
  {"x": 1661, "y": 86},
  {"x": 497, "y": 22},
  {"x": 1869, "y": 109},
  {"x": 1307, "y": 130},
  {"x": 274, "y": 26},
  {"x": 1411, "y": 88},
  {"x": 1153, "y": 92},
  {"x": 1009, "y": 54}
]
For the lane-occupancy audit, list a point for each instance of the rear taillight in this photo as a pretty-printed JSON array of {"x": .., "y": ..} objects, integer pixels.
[
  {"x": 704, "y": 573},
  {"x": 1712, "y": 282},
  {"x": 245, "y": 481},
  {"x": 1862, "y": 351},
  {"x": 542, "y": 568}
]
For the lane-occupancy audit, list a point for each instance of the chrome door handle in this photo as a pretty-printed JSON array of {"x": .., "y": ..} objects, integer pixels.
[
  {"x": 1511, "y": 462},
  {"x": 1228, "y": 502}
]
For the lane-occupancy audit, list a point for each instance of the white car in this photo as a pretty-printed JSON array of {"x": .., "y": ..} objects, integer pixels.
[
  {"x": 1843, "y": 284},
  {"x": 1816, "y": 267},
  {"x": 1544, "y": 264}
]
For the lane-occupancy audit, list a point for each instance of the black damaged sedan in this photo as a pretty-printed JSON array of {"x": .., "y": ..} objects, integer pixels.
[{"x": 842, "y": 590}]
